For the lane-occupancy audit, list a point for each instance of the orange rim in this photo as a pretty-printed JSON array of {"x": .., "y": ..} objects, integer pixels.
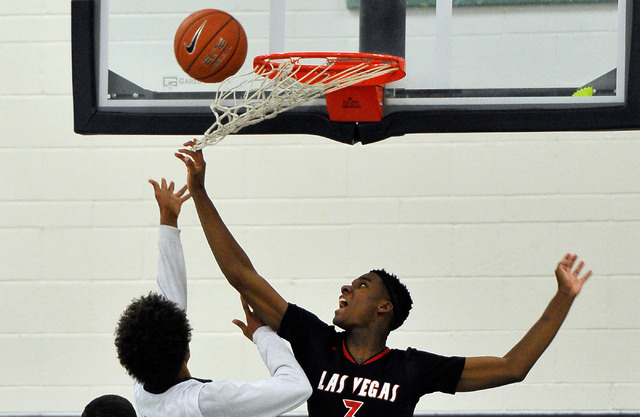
[{"x": 333, "y": 63}]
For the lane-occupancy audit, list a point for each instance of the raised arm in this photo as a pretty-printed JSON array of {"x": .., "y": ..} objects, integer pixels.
[
  {"x": 172, "y": 271},
  {"x": 488, "y": 372},
  {"x": 231, "y": 258}
]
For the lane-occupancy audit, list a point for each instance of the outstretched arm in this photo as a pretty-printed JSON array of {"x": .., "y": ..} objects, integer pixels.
[
  {"x": 172, "y": 271},
  {"x": 488, "y": 372},
  {"x": 231, "y": 258}
]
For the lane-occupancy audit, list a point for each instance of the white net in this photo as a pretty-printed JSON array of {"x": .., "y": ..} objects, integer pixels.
[{"x": 247, "y": 99}]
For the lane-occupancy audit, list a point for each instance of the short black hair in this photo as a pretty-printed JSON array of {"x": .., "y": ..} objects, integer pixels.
[
  {"x": 152, "y": 339},
  {"x": 399, "y": 295},
  {"x": 109, "y": 405}
]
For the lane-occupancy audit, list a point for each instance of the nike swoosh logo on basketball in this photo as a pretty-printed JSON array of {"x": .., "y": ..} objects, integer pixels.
[{"x": 190, "y": 47}]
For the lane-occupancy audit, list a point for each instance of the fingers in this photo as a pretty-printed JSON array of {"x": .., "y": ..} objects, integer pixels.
[
  {"x": 181, "y": 193},
  {"x": 183, "y": 197},
  {"x": 570, "y": 260},
  {"x": 159, "y": 186},
  {"x": 568, "y": 263},
  {"x": 183, "y": 152},
  {"x": 578, "y": 268},
  {"x": 188, "y": 151},
  {"x": 170, "y": 188},
  {"x": 188, "y": 160},
  {"x": 190, "y": 144},
  {"x": 183, "y": 158},
  {"x": 240, "y": 324}
]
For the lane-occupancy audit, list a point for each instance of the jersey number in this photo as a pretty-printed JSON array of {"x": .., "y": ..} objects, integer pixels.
[{"x": 353, "y": 407}]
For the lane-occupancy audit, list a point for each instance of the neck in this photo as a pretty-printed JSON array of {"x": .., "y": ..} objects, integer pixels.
[
  {"x": 364, "y": 344},
  {"x": 184, "y": 372}
]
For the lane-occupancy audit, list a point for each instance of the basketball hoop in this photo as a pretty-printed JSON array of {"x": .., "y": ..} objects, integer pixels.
[{"x": 351, "y": 82}]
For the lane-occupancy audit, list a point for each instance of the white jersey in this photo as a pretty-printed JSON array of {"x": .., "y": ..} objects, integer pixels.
[{"x": 286, "y": 389}]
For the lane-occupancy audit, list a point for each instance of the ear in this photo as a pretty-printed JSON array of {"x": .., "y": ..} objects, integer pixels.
[{"x": 385, "y": 306}]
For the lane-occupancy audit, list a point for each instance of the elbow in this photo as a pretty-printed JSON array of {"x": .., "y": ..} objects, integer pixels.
[
  {"x": 517, "y": 368},
  {"x": 516, "y": 374},
  {"x": 301, "y": 390},
  {"x": 298, "y": 394},
  {"x": 236, "y": 277},
  {"x": 305, "y": 391},
  {"x": 519, "y": 377}
]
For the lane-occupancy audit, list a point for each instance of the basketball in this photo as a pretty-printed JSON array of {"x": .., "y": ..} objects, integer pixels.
[{"x": 210, "y": 45}]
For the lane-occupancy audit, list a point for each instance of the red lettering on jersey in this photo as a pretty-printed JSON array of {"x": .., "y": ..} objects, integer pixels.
[{"x": 353, "y": 407}]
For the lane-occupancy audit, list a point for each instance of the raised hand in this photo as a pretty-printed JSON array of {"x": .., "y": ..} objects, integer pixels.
[
  {"x": 169, "y": 202},
  {"x": 196, "y": 166},
  {"x": 253, "y": 321},
  {"x": 569, "y": 280}
]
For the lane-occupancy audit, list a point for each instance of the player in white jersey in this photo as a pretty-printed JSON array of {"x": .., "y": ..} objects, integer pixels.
[{"x": 153, "y": 338}]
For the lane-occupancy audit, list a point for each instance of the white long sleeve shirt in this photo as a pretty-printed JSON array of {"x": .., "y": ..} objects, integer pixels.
[{"x": 286, "y": 389}]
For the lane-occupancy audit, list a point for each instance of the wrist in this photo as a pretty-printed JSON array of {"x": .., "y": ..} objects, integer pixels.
[
  {"x": 169, "y": 220},
  {"x": 261, "y": 332},
  {"x": 197, "y": 190},
  {"x": 566, "y": 295}
]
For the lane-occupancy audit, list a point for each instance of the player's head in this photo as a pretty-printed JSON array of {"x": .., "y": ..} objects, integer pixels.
[
  {"x": 109, "y": 405},
  {"x": 152, "y": 339},
  {"x": 375, "y": 297},
  {"x": 398, "y": 295}
]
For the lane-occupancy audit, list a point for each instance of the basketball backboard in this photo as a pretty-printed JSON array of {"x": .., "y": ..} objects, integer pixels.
[{"x": 471, "y": 65}]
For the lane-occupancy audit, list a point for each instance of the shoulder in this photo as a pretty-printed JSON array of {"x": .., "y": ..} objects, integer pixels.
[
  {"x": 417, "y": 356},
  {"x": 296, "y": 316},
  {"x": 186, "y": 393},
  {"x": 302, "y": 326}
]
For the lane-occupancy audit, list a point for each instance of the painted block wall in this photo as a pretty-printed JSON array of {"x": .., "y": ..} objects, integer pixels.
[{"x": 473, "y": 223}]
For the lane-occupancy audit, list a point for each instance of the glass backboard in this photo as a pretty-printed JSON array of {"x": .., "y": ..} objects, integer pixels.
[{"x": 483, "y": 65}]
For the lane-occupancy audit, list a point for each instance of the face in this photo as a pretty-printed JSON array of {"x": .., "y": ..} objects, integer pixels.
[{"x": 361, "y": 303}]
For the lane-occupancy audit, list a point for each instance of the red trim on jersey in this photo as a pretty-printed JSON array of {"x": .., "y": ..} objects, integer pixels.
[{"x": 374, "y": 358}]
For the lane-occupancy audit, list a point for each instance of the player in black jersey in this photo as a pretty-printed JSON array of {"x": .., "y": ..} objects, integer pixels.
[{"x": 353, "y": 371}]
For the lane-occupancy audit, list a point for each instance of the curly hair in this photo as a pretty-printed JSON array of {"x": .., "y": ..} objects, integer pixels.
[
  {"x": 152, "y": 339},
  {"x": 109, "y": 405},
  {"x": 399, "y": 295}
]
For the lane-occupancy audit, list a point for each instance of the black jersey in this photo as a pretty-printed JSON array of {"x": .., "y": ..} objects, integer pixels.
[{"x": 387, "y": 385}]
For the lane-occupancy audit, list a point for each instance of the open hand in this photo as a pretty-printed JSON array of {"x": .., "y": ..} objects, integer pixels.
[
  {"x": 569, "y": 280},
  {"x": 253, "y": 321},
  {"x": 169, "y": 202}
]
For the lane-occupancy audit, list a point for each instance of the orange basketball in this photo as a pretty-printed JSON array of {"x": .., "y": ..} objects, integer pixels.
[{"x": 210, "y": 45}]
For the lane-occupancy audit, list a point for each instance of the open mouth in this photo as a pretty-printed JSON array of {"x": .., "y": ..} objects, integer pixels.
[{"x": 342, "y": 302}]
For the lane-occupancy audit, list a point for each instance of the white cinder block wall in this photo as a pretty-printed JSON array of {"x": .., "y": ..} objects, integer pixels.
[{"x": 475, "y": 225}]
